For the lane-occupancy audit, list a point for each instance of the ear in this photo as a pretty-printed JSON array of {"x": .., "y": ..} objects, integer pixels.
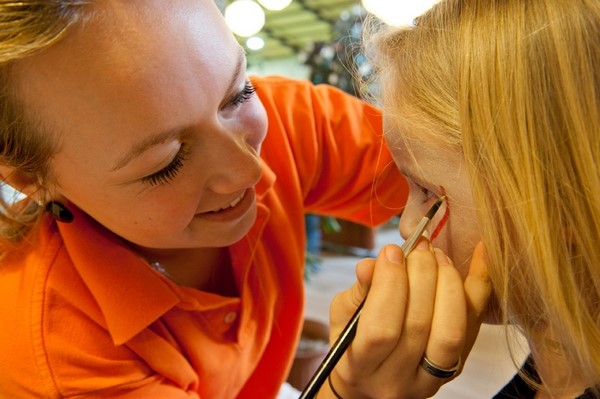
[{"x": 19, "y": 183}]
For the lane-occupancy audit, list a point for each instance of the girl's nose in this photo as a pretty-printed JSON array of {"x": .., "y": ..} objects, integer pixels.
[{"x": 409, "y": 218}]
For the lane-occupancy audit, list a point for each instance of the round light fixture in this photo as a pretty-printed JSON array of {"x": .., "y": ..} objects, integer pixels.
[
  {"x": 255, "y": 43},
  {"x": 398, "y": 13},
  {"x": 275, "y": 5},
  {"x": 245, "y": 17}
]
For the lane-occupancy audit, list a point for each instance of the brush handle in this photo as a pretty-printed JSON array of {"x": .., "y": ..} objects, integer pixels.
[{"x": 332, "y": 357}]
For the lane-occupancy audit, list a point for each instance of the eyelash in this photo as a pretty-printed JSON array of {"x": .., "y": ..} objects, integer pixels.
[
  {"x": 169, "y": 172},
  {"x": 426, "y": 192},
  {"x": 246, "y": 94}
]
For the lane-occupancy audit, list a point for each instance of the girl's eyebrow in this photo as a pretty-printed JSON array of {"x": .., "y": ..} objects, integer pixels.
[
  {"x": 410, "y": 176},
  {"x": 155, "y": 139}
]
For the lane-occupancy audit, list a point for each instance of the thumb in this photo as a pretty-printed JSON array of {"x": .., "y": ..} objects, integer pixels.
[{"x": 345, "y": 303}]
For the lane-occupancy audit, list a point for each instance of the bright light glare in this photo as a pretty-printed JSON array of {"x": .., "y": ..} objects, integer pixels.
[
  {"x": 255, "y": 43},
  {"x": 245, "y": 17},
  {"x": 399, "y": 12}
]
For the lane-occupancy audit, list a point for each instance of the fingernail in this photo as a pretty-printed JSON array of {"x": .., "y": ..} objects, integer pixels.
[
  {"x": 440, "y": 257},
  {"x": 423, "y": 244},
  {"x": 394, "y": 254}
]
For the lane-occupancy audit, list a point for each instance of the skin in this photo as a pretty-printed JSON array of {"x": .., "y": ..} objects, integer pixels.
[
  {"x": 438, "y": 305},
  {"x": 118, "y": 82},
  {"x": 428, "y": 167},
  {"x": 180, "y": 87},
  {"x": 433, "y": 171}
]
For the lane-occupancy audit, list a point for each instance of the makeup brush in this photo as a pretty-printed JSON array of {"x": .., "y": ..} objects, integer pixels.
[{"x": 347, "y": 335}]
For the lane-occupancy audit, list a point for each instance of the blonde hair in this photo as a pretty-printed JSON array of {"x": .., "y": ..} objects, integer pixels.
[
  {"x": 26, "y": 27},
  {"x": 515, "y": 86}
]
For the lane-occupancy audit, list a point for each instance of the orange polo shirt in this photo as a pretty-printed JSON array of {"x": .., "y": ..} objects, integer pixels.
[{"x": 82, "y": 316}]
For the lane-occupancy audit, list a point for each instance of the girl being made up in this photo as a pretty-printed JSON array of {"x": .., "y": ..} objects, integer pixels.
[
  {"x": 496, "y": 104},
  {"x": 159, "y": 251}
]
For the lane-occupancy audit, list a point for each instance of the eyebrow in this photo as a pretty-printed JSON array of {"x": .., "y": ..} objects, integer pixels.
[
  {"x": 143, "y": 146},
  {"x": 156, "y": 139}
]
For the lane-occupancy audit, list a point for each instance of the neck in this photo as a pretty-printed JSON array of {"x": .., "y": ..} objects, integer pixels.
[{"x": 206, "y": 269}]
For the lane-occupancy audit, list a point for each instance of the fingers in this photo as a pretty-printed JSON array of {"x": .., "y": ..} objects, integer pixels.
[
  {"x": 384, "y": 311},
  {"x": 345, "y": 303},
  {"x": 447, "y": 335},
  {"x": 422, "y": 273},
  {"x": 416, "y": 306}
]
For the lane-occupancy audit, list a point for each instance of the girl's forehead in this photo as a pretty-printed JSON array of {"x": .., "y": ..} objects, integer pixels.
[
  {"x": 416, "y": 142},
  {"x": 418, "y": 154}
]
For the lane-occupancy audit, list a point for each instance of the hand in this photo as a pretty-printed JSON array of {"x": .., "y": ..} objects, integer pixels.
[{"x": 415, "y": 306}]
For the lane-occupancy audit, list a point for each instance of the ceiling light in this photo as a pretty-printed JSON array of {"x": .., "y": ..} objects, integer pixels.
[
  {"x": 275, "y": 5},
  {"x": 398, "y": 13},
  {"x": 255, "y": 43},
  {"x": 245, "y": 17}
]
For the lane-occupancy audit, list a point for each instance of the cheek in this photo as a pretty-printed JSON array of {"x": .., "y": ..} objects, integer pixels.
[
  {"x": 437, "y": 228},
  {"x": 458, "y": 238},
  {"x": 150, "y": 223}
]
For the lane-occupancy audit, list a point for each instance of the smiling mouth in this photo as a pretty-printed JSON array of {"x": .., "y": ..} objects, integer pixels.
[{"x": 232, "y": 204}]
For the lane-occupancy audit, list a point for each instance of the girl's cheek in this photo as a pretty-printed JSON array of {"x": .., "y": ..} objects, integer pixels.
[{"x": 444, "y": 219}]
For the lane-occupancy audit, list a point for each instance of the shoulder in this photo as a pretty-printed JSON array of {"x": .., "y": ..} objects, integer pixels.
[
  {"x": 24, "y": 278},
  {"x": 58, "y": 336}
]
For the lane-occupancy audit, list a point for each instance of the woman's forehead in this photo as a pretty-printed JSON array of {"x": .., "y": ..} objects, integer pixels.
[{"x": 114, "y": 58}]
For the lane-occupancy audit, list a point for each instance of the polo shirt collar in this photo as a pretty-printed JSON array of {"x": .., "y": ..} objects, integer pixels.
[{"x": 130, "y": 295}]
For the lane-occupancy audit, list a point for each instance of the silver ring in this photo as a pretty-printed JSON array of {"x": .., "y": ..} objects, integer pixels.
[{"x": 437, "y": 371}]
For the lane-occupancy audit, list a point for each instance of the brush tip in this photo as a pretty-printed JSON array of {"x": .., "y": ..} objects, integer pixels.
[{"x": 435, "y": 207}]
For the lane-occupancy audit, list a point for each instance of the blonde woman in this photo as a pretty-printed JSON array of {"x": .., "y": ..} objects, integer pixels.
[
  {"x": 159, "y": 249},
  {"x": 496, "y": 104}
]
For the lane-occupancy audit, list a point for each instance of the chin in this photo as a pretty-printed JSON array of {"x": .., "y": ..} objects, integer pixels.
[
  {"x": 493, "y": 314},
  {"x": 239, "y": 231}
]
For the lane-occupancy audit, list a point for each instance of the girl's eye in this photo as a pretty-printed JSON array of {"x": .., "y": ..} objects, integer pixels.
[
  {"x": 170, "y": 171},
  {"x": 425, "y": 191},
  {"x": 428, "y": 194},
  {"x": 246, "y": 94}
]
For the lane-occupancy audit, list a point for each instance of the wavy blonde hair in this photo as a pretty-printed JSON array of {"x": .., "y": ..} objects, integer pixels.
[
  {"x": 26, "y": 27},
  {"x": 515, "y": 86}
]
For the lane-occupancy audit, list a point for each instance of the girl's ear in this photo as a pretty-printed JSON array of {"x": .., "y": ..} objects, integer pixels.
[{"x": 18, "y": 185}]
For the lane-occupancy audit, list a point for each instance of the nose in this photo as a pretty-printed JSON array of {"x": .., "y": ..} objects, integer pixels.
[
  {"x": 409, "y": 219},
  {"x": 235, "y": 164}
]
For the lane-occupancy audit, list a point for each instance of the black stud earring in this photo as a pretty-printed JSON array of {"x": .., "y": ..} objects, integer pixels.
[{"x": 59, "y": 212}]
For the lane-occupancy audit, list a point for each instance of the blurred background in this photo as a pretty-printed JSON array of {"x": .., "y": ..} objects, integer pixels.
[{"x": 299, "y": 37}]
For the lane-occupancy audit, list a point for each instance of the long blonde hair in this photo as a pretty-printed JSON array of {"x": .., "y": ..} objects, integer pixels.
[
  {"x": 515, "y": 86},
  {"x": 26, "y": 27}
]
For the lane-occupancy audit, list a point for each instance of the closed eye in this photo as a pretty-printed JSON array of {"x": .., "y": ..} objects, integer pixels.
[
  {"x": 244, "y": 95},
  {"x": 169, "y": 172},
  {"x": 425, "y": 192}
]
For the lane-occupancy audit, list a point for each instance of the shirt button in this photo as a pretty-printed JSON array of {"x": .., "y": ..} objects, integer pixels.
[{"x": 230, "y": 317}]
